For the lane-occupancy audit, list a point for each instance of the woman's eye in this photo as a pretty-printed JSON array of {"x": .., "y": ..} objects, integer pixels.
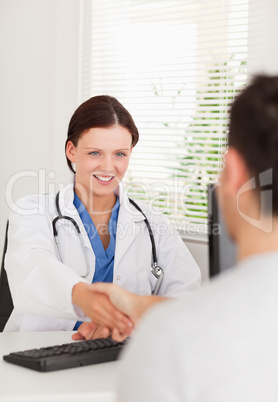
[
  {"x": 95, "y": 153},
  {"x": 120, "y": 154}
]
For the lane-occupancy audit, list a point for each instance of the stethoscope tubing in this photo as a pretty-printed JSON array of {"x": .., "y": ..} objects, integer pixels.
[
  {"x": 55, "y": 233},
  {"x": 156, "y": 270}
]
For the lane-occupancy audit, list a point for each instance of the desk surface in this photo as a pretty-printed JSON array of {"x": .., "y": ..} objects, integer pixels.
[{"x": 95, "y": 383}]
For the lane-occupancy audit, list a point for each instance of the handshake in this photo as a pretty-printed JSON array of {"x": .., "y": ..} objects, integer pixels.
[{"x": 113, "y": 310}]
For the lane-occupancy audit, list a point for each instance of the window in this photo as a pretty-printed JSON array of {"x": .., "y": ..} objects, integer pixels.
[{"x": 176, "y": 65}]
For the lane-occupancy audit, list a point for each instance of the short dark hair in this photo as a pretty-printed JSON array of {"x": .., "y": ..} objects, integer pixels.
[
  {"x": 253, "y": 128},
  {"x": 99, "y": 111}
]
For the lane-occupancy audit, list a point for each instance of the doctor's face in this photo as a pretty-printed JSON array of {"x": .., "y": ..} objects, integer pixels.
[{"x": 101, "y": 159}]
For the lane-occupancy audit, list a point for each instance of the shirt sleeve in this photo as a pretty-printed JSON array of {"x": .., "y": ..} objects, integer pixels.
[{"x": 148, "y": 369}]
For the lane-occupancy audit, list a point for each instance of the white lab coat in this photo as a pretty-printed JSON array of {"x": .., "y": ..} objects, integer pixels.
[{"x": 41, "y": 285}]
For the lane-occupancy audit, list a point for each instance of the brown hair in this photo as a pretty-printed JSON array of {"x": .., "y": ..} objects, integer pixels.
[
  {"x": 99, "y": 111},
  {"x": 254, "y": 129}
]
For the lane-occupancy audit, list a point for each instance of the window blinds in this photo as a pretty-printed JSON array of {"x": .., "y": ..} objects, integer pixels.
[{"x": 176, "y": 65}]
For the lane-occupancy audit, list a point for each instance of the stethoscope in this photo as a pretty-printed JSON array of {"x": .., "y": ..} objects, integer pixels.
[{"x": 156, "y": 270}]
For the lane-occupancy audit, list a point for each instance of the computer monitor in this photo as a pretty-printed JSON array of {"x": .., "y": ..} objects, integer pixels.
[{"x": 222, "y": 250}]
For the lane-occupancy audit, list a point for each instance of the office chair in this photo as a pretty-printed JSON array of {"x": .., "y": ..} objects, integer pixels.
[{"x": 6, "y": 302}]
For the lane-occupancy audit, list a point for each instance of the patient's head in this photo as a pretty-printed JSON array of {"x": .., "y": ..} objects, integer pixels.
[
  {"x": 254, "y": 128},
  {"x": 252, "y": 157}
]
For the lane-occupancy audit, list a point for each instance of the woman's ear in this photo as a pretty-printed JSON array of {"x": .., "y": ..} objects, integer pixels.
[{"x": 70, "y": 151}]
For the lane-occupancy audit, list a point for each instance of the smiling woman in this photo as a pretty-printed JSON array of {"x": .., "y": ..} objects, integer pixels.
[
  {"x": 48, "y": 283},
  {"x": 101, "y": 159}
]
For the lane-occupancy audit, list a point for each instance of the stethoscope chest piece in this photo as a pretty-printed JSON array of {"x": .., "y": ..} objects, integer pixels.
[{"x": 158, "y": 272}]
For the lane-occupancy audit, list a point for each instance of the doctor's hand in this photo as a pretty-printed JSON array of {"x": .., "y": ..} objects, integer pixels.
[
  {"x": 98, "y": 307},
  {"x": 134, "y": 306},
  {"x": 89, "y": 330}
]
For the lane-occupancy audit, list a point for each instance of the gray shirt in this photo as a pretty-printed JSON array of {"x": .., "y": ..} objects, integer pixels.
[{"x": 217, "y": 345}]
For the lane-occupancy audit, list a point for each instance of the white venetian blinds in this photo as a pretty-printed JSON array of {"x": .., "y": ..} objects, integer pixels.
[{"x": 176, "y": 65}]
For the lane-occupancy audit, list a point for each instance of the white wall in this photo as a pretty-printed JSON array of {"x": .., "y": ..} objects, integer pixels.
[
  {"x": 38, "y": 75},
  {"x": 262, "y": 37}
]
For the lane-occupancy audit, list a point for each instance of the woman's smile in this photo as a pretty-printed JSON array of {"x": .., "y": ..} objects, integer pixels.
[{"x": 104, "y": 179}]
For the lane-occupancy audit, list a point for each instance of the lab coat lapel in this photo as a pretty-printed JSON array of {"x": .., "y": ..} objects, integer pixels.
[
  {"x": 127, "y": 227},
  {"x": 68, "y": 209}
]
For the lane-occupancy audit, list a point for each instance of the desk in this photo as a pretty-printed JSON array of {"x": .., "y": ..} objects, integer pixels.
[{"x": 95, "y": 383}]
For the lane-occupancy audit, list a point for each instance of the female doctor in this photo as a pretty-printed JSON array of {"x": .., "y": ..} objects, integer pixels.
[{"x": 51, "y": 282}]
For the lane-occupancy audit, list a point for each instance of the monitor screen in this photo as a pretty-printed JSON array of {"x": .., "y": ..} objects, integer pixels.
[{"x": 222, "y": 250}]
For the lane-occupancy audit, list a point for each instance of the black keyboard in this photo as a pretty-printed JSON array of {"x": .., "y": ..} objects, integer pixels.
[{"x": 68, "y": 355}]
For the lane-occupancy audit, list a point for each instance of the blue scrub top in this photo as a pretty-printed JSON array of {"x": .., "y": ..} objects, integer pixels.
[{"x": 104, "y": 265}]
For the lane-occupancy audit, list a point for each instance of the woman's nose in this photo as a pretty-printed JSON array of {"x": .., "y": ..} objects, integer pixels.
[{"x": 107, "y": 164}]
